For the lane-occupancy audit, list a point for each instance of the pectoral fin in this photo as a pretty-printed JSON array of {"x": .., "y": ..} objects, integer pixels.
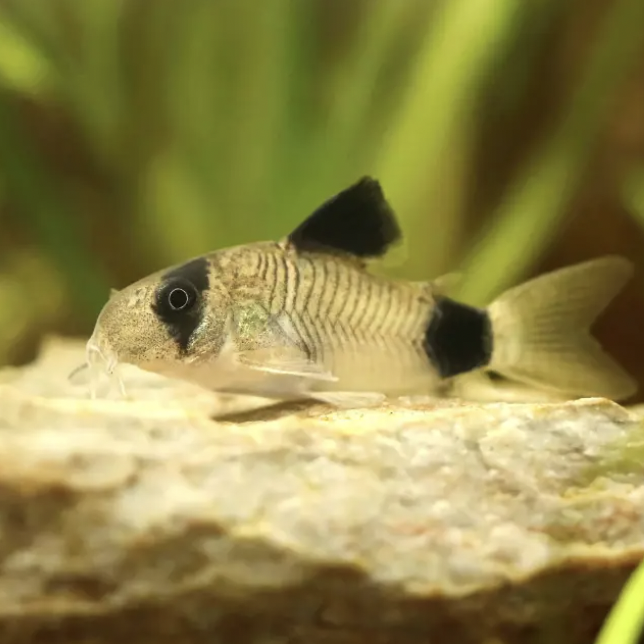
[
  {"x": 285, "y": 361},
  {"x": 269, "y": 343},
  {"x": 446, "y": 284}
]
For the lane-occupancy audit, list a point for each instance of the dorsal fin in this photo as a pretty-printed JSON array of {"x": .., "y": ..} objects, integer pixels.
[
  {"x": 445, "y": 284},
  {"x": 357, "y": 221}
]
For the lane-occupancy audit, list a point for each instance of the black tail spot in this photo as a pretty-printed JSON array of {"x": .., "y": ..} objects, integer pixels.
[{"x": 458, "y": 338}]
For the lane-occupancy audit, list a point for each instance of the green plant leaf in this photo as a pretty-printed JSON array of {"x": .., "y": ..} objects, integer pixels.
[
  {"x": 29, "y": 184},
  {"x": 533, "y": 208},
  {"x": 22, "y": 67},
  {"x": 462, "y": 42},
  {"x": 625, "y": 622},
  {"x": 634, "y": 194}
]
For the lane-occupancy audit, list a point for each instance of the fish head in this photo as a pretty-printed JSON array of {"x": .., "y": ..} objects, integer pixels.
[
  {"x": 161, "y": 323},
  {"x": 128, "y": 329}
]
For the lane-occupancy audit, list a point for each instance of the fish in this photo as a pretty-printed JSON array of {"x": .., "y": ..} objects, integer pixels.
[{"x": 305, "y": 317}]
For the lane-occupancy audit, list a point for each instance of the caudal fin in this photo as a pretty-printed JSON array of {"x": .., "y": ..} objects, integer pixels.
[{"x": 541, "y": 330}]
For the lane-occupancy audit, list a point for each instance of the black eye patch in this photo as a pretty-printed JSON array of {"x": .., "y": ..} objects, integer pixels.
[
  {"x": 178, "y": 301},
  {"x": 176, "y": 298}
]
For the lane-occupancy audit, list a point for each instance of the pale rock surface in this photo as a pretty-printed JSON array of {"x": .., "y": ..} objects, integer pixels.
[{"x": 141, "y": 520}]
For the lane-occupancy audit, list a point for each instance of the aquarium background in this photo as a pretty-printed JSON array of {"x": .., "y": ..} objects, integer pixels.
[{"x": 508, "y": 136}]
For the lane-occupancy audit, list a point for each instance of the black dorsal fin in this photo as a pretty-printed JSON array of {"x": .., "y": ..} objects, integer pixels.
[{"x": 357, "y": 221}]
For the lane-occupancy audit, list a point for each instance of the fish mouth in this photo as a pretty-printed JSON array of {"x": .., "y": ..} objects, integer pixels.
[{"x": 100, "y": 362}]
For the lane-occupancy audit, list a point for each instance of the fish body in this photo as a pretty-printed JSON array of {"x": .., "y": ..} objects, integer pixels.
[{"x": 303, "y": 317}]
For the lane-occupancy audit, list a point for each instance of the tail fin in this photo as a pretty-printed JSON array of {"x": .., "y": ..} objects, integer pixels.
[{"x": 541, "y": 330}]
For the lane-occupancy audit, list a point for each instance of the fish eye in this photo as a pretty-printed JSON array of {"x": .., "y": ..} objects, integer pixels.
[
  {"x": 176, "y": 296},
  {"x": 178, "y": 299}
]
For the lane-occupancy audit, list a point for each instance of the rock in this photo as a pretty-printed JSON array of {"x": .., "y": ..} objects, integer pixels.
[{"x": 144, "y": 521}]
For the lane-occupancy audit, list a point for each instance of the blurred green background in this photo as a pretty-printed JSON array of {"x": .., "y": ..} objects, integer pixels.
[{"x": 507, "y": 134}]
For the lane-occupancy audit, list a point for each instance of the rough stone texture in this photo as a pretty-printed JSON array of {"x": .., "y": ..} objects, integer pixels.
[{"x": 143, "y": 521}]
